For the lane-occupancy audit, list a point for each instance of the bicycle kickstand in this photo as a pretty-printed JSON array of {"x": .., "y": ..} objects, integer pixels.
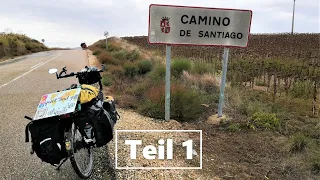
[{"x": 65, "y": 159}]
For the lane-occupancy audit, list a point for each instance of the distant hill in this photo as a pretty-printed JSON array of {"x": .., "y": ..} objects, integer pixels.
[{"x": 12, "y": 45}]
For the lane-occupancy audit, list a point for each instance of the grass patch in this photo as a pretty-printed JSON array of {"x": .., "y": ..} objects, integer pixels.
[
  {"x": 133, "y": 55},
  {"x": 107, "y": 80},
  {"x": 158, "y": 73},
  {"x": 234, "y": 127},
  {"x": 180, "y": 65},
  {"x": 144, "y": 67},
  {"x": 131, "y": 69},
  {"x": 299, "y": 143},
  {"x": 96, "y": 52},
  {"x": 263, "y": 120},
  {"x": 315, "y": 163},
  {"x": 201, "y": 68},
  {"x": 121, "y": 54},
  {"x": 106, "y": 58}
]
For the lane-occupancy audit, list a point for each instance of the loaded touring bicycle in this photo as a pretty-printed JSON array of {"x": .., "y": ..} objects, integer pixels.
[{"x": 68, "y": 124}]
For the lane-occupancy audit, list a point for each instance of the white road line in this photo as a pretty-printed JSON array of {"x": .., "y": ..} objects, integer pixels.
[
  {"x": 29, "y": 71},
  {"x": 36, "y": 65}
]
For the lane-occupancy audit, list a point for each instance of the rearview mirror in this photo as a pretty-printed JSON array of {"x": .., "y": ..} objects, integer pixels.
[{"x": 53, "y": 70}]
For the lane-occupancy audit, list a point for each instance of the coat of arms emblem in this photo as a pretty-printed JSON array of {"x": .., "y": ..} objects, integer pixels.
[{"x": 165, "y": 25}]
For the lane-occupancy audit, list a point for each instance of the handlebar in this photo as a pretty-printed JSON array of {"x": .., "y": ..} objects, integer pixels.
[{"x": 64, "y": 70}]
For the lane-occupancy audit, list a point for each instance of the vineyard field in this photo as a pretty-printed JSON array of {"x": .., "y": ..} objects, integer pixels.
[
  {"x": 287, "y": 46},
  {"x": 283, "y": 63}
]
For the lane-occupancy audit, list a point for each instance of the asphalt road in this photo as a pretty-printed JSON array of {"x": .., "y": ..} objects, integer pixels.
[{"x": 22, "y": 83}]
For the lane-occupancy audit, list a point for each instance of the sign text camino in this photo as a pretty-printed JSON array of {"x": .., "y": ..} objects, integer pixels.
[{"x": 183, "y": 25}]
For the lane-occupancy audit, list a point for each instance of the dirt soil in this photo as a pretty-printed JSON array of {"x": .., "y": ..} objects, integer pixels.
[{"x": 225, "y": 155}]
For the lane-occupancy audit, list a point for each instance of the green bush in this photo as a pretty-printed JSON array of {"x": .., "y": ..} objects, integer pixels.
[
  {"x": 130, "y": 69},
  {"x": 106, "y": 58},
  {"x": 180, "y": 65},
  {"x": 113, "y": 46},
  {"x": 315, "y": 163},
  {"x": 133, "y": 55},
  {"x": 299, "y": 143},
  {"x": 234, "y": 127},
  {"x": 185, "y": 103},
  {"x": 263, "y": 120},
  {"x": 30, "y": 46},
  {"x": 107, "y": 80},
  {"x": 144, "y": 66},
  {"x": 121, "y": 55},
  {"x": 158, "y": 73},
  {"x": 202, "y": 68},
  {"x": 116, "y": 70},
  {"x": 96, "y": 52}
]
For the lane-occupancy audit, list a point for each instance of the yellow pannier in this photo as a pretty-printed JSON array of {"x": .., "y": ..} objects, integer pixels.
[{"x": 87, "y": 93}]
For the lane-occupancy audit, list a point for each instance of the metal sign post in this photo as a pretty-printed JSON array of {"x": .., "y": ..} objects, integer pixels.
[
  {"x": 223, "y": 80},
  {"x": 106, "y": 34},
  {"x": 186, "y": 25},
  {"x": 168, "y": 75}
]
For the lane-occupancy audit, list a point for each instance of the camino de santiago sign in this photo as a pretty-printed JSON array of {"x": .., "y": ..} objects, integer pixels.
[
  {"x": 185, "y": 25},
  {"x": 199, "y": 26}
]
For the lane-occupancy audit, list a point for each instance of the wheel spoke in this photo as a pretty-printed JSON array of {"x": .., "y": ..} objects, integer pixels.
[{"x": 82, "y": 159}]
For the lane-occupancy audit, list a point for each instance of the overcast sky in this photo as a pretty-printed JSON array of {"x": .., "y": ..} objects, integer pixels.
[{"x": 67, "y": 23}]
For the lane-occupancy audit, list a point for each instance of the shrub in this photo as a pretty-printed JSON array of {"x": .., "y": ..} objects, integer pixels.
[
  {"x": 113, "y": 46},
  {"x": 158, "y": 73},
  {"x": 131, "y": 69},
  {"x": 106, "y": 80},
  {"x": 180, "y": 65},
  {"x": 30, "y": 46},
  {"x": 133, "y": 55},
  {"x": 202, "y": 68},
  {"x": 298, "y": 143},
  {"x": 264, "y": 120},
  {"x": 117, "y": 71},
  {"x": 96, "y": 52},
  {"x": 140, "y": 88},
  {"x": 106, "y": 58},
  {"x": 315, "y": 163},
  {"x": 234, "y": 127},
  {"x": 144, "y": 66},
  {"x": 121, "y": 55},
  {"x": 185, "y": 103}
]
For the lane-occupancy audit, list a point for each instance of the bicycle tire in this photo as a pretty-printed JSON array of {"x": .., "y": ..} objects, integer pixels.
[{"x": 83, "y": 174}]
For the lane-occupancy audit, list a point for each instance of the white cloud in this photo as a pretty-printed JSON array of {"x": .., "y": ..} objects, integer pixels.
[{"x": 67, "y": 23}]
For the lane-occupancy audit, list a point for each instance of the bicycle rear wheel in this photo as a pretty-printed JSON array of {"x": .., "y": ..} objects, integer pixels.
[{"x": 81, "y": 156}]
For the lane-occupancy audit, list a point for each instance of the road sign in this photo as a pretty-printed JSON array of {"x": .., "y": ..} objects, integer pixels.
[
  {"x": 106, "y": 34},
  {"x": 185, "y": 25}
]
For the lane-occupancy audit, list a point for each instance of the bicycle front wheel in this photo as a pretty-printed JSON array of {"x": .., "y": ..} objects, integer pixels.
[{"x": 81, "y": 156}]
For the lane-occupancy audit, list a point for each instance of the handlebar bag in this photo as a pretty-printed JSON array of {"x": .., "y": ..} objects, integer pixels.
[
  {"x": 89, "y": 75},
  {"x": 47, "y": 140}
]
